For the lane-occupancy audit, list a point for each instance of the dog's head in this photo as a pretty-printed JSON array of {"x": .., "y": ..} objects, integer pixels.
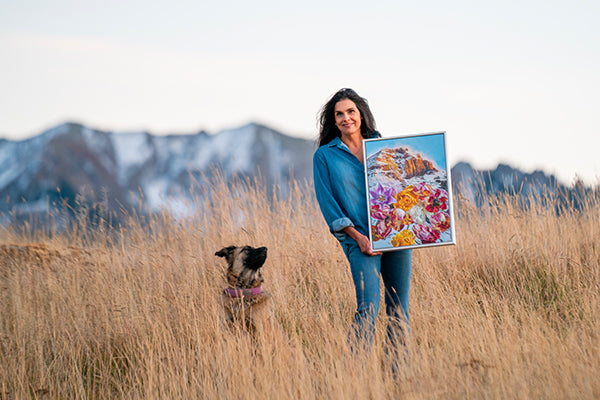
[{"x": 243, "y": 265}]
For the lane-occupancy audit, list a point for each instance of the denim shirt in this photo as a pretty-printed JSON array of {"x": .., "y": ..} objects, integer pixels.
[{"x": 339, "y": 179}]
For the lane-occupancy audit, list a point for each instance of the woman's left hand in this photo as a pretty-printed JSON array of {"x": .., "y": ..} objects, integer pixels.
[{"x": 363, "y": 242}]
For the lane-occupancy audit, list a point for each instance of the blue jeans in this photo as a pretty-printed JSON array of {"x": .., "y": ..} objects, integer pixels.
[{"x": 394, "y": 268}]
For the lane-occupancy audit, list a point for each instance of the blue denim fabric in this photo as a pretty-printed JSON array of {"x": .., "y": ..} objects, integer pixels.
[
  {"x": 395, "y": 269},
  {"x": 340, "y": 189},
  {"x": 339, "y": 179}
]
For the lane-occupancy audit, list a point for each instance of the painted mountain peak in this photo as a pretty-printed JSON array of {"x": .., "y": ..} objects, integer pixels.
[{"x": 401, "y": 164}]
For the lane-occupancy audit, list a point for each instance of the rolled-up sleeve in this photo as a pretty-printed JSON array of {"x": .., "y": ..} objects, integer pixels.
[{"x": 330, "y": 208}]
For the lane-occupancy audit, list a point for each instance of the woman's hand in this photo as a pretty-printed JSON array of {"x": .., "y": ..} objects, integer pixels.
[
  {"x": 365, "y": 246},
  {"x": 362, "y": 240}
]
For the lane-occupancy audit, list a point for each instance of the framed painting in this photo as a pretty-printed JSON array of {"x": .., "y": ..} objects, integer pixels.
[{"x": 409, "y": 193}]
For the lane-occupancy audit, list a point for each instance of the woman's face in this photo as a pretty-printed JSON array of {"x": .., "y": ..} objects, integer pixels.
[{"x": 347, "y": 117}]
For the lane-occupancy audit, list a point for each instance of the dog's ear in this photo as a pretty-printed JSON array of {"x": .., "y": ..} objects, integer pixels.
[{"x": 225, "y": 251}]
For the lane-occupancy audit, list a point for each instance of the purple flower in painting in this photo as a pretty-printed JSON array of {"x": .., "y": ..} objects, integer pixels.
[{"x": 381, "y": 195}]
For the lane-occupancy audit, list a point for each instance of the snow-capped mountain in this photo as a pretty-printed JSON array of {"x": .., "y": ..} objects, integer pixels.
[{"x": 72, "y": 162}]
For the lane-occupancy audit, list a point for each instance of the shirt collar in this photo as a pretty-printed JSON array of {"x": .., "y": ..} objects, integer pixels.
[
  {"x": 334, "y": 142},
  {"x": 337, "y": 142}
]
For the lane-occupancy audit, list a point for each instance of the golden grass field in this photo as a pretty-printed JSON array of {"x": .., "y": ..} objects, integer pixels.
[{"x": 510, "y": 312}]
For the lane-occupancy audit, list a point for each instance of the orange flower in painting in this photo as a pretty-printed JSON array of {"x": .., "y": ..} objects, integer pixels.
[
  {"x": 404, "y": 238},
  {"x": 406, "y": 199}
]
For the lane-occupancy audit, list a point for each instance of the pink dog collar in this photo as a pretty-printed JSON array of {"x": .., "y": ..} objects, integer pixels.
[{"x": 233, "y": 292}]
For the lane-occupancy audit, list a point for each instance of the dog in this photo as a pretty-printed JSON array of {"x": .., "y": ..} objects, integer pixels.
[{"x": 245, "y": 304}]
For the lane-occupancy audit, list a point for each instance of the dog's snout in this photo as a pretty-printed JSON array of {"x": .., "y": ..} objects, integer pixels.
[{"x": 256, "y": 258}]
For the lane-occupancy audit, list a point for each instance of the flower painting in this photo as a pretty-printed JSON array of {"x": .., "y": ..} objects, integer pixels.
[{"x": 408, "y": 192}]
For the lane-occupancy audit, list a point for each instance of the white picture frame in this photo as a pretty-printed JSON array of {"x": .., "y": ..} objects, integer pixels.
[{"x": 409, "y": 192}]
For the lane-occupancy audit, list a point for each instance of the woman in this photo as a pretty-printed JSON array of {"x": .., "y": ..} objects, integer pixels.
[{"x": 339, "y": 181}]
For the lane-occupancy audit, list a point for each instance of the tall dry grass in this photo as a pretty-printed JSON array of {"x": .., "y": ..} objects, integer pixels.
[{"x": 511, "y": 311}]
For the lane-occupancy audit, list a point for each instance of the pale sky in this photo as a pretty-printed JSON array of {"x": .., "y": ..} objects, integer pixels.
[{"x": 514, "y": 81}]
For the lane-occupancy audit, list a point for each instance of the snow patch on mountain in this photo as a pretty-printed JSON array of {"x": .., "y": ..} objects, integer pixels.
[
  {"x": 275, "y": 150},
  {"x": 231, "y": 148},
  {"x": 154, "y": 193},
  {"x": 131, "y": 149}
]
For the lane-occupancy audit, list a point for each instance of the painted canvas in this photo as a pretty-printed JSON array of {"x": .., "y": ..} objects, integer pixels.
[{"x": 408, "y": 192}]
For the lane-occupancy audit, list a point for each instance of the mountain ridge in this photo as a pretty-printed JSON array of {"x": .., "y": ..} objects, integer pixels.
[
  {"x": 72, "y": 163},
  {"x": 125, "y": 170}
]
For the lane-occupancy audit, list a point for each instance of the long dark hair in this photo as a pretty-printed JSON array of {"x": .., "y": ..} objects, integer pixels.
[{"x": 327, "y": 129}]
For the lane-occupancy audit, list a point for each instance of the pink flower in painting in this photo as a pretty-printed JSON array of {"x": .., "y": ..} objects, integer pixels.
[
  {"x": 381, "y": 212},
  {"x": 382, "y": 230},
  {"x": 426, "y": 233},
  {"x": 394, "y": 216},
  {"x": 381, "y": 196},
  {"x": 399, "y": 219},
  {"x": 387, "y": 219},
  {"x": 437, "y": 201},
  {"x": 440, "y": 222},
  {"x": 399, "y": 213},
  {"x": 422, "y": 190}
]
